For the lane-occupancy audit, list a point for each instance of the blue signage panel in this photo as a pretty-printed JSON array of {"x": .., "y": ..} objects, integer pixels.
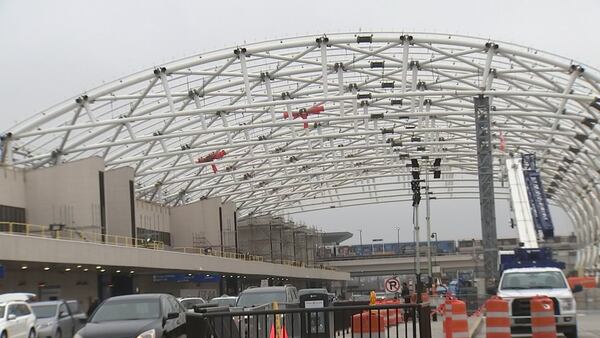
[
  {"x": 184, "y": 277},
  {"x": 1, "y": 271}
]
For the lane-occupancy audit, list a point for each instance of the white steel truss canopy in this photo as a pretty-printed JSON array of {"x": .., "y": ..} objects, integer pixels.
[{"x": 327, "y": 121}]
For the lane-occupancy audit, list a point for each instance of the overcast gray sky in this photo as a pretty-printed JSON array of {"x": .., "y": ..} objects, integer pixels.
[{"x": 53, "y": 50}]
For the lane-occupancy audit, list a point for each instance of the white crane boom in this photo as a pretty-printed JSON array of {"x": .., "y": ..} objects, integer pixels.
[{"x": 520, "y": 207}]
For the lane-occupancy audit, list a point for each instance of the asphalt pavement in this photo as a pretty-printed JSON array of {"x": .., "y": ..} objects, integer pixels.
[{"x": 589, "y": 324}]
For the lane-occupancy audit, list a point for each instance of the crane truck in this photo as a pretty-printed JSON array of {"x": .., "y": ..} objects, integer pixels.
[{"x": 529, "y": 270}]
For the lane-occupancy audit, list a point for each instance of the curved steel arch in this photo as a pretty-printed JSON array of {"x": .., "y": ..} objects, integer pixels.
[{"x": 327, "y": 121}]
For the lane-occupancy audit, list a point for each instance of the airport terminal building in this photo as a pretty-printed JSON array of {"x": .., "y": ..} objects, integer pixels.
[{"x": 76, "y": 230}]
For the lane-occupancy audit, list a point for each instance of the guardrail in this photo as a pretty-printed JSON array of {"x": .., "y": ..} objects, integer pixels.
[
  {"x": 218, "y": 253},
  {"x": 35, "y": 230}
]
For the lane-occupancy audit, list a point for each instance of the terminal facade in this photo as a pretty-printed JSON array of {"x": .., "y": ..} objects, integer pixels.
[{"x": 84, "y": 204}]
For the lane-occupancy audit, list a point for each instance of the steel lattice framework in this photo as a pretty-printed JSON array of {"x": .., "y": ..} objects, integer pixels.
[{"x": 318, "y": 122}]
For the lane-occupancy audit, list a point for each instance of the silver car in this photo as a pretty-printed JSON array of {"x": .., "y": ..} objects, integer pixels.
[
  {"x": 189, "y": 303},
  {"x": 55, "y": 320}
]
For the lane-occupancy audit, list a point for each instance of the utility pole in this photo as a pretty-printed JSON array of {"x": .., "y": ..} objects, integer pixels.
[
  {"x": 415, "y": 186},
  {"x": 398, "y": 234},
  {"x": 434, "y": 235},
  {"x": 360, "y": 236},
  {"x": 417, "y": 240},
  {"x": 428, "y": 219}
]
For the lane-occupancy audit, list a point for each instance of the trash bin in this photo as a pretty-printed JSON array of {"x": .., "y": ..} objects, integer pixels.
[{"x": 315, "y": 322}]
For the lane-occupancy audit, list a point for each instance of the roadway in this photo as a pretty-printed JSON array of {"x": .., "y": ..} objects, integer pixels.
[{"x": 589, "y": 324}]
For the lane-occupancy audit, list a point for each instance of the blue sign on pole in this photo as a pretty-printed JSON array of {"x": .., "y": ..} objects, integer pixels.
[{"x": 184, "y": 277}]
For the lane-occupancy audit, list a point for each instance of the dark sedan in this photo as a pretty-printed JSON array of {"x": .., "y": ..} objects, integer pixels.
[{"x": 136, "y": 316}]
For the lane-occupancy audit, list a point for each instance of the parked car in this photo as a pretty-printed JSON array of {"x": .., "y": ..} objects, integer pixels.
[
  {"x": 55, "y": 319},
  {"x": 18, "y": 296},
  {"x": 224, "y": 300},
  {"x": 307, "y": 291},
  {"x": 331, "y": 296},
  {"x": 76, "y": 311},
  {"x": 140, "y": 316},
  {"x": 16, "y": 320},
  {"x": 267, "y": 295},
  {"x": 189, "y": 303}
]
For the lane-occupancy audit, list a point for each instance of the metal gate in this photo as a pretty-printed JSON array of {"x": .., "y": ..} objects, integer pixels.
[{"x": 354, "y": 321}]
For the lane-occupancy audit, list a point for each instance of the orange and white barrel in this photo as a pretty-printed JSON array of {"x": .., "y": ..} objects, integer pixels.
[
  {"x": 459, "y": 326},
  {"x": 543, "y": 323},
  {"x": 447, "y": 313},
  {"x": 497, "y": 318}
]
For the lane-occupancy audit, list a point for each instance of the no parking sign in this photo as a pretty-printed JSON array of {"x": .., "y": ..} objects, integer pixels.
[{"x": 392, "y": 284}]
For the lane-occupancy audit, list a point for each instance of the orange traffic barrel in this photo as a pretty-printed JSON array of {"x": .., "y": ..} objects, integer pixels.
[
  {"x": 371, "y": 323},
  {"x": 543, "y": 323},
  {"x": 497, "y": 318},
  {"x": 447, "y": 313},
  {"x": 458, "y": 327},
  {"x": 585, "y": 282},
  {"x": 393, "y": 316}
]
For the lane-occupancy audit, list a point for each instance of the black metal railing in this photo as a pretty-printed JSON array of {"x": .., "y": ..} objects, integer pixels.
[{"x": 356, "y": 321}]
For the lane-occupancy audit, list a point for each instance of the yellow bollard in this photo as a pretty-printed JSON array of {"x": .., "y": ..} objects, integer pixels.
[{"x": 372, "y": 298}]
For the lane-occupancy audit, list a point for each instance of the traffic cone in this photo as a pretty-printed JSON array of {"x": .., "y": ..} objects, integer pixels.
[{"x": 282, "y": 332}]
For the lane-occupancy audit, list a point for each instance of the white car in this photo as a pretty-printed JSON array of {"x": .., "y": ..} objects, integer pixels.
[
  {"x": 16, "y": 320},
  {"x": 519, "y": 285},
  {"x": 18, "y": 296}
]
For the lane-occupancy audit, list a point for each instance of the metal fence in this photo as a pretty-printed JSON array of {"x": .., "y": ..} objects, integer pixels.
[{"x": 337, "y": 321}]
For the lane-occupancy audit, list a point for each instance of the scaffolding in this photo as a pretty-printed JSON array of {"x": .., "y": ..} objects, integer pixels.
[{"x": 278, "y": 240}]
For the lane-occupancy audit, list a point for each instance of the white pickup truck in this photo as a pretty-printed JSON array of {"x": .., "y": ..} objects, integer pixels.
[{"x": 519, "y": 285}]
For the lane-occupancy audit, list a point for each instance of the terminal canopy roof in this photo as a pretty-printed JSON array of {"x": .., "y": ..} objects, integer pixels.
[{"x": 329, "y": 121}]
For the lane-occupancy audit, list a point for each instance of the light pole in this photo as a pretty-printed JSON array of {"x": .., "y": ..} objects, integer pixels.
[
  {"x": 398, "y": 237},
  {"x": 360, "y": 236},
  {"x": 417, "y": 241},
  {"x": 435, "y": 235},
  {"x": 428, "y": 219},
  {"x": 415, "y": 186}
]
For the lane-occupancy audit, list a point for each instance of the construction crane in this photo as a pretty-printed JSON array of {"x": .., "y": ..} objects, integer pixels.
[
  {"x": 521, "y": 217},
  {"x": 537, "y": 197},
  {"x": 530, "y": 215},
  {"x": 529, "y": 207}
]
